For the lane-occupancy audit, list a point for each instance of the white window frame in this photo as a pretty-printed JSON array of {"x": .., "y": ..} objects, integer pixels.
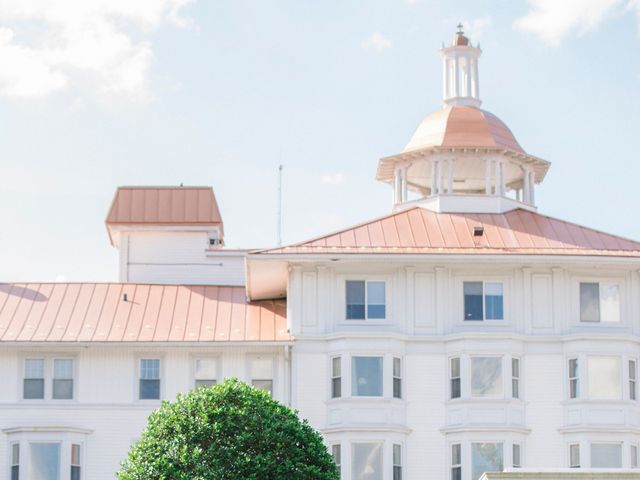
[
  {"x": 484, "y": 323},
  {"x": 366, "y": 279},
  {"x": 194, "y": 360},
  {"x": 515, "y": 379},
  {"x": 569, "y": 457},
  {"x": 632, "y": 375},
  {"x": 397, "y": 378},
  {"x": 274, "y": 370},
  {"x": 138, "y": 370},
  {"x": 575, "y": 307},
  {"x": 333, "y": 377},
  {"x": 48, "y": 362},
  {"x": 452, "y": 378},
  {"x": 575, "y": 379}
]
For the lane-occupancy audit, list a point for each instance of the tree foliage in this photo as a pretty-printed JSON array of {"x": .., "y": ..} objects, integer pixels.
[{"x": 229, "y": 431}]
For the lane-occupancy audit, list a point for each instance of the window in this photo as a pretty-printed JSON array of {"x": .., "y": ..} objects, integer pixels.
[
  {"x": 206, "y": 372},
  {"x": 149, "y": 379},
  {"x": 33, "y": 387},
  {"x": 483, "y": 301},
  {"x": 44, "y": 461},
  {"x": 486, "y": 377},
  {"x": 336, "y": 453},
  {"x": 516, "y": 459},
  {"x": 574, "y": 381},
  {"x": 604, "y": 378},
  {"x": 397, "y": 378},
  {"x": 262, "y": 374},
  {"x": 366, "y": 461},
  {"x": 455, "y": 377},
  {"x": 62, "y": 379},
  {"x": 515, "y": 377},
  {"x": 606, "y": 455},
  {"x": 456, "y": 461},
  {"x": 75, "y": 462},
  {"x": 599, "y": 302},
  {"x": 365, "y": 300},
  {"x": 366, "y": 376},
  {"x": 15, "y": 461},
  {"x": 633, "y": 456},
  {"x": 486, "y": 457},
  {"x": 397, "y": 462},
  {"x": 574, "y": 455},
  {"x": 336, "y": 377},
  {"x": 633, "y": 377}
]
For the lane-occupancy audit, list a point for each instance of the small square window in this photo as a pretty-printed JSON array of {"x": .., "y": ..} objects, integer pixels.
[
  {"x": 483, "y": 301},
  {"x": 365, "y": 300}
]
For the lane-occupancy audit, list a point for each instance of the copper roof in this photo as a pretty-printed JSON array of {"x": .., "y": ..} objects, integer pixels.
[
  {"x": 164, "y": 206},
  {"x": 463, "y": 127},
  {"x": 421, "y": 231},
  {"x": 97, "y": 312}
]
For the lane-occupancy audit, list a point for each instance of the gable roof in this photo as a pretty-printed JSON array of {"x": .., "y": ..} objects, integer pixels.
[
  {"x": 98, "y": 312},
  {"x": 421, "y": 231}
]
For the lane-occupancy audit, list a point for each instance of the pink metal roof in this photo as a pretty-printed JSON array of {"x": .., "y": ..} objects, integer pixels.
[
  {"x": 97, "y": 312},
  {"x": 463, "y": 127},
  {"x": 418, "y": 230},
  {"x": 164, "y": 206}
]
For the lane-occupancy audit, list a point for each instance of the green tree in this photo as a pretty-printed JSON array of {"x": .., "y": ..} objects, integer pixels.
[{"x": 230, "y": 431}]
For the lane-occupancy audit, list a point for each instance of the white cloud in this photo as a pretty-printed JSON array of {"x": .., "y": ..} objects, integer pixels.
[
  {"x": 378, "y": 42},
  {"x": 552, "y": 20},
  {"x": 334, "y": 179},
  {"x": 474, "y": 29},
  {"x": 49, "y": 45}
]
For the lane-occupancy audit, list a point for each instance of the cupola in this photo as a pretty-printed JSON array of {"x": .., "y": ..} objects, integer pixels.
[{"x": 462, "y": 158}]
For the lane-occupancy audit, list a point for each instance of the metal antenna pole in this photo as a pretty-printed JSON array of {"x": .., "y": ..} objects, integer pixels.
[{"x": 280, "y": 205}]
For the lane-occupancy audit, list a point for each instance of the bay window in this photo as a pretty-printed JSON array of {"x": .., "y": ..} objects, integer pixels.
[
  {"x": 599, "y": 302},
  {"x": 483, "y": 301},
  {"x": 365, "y": 299},
  {"x": 606, "y": 455},
  {"x": 366, "y": 376},
  {"x": 486, "y": 377},
  {"x": 486, "y": 457},
  {"x": 366, "y": 461}
]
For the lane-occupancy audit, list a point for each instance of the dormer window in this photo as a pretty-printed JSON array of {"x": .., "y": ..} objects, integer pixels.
[{"x": 365, "y": 300}]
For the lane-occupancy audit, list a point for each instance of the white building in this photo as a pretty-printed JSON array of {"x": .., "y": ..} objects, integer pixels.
[{"x": 462, "y": 333}]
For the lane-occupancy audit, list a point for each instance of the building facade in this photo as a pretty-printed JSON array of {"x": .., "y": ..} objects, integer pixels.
[{"x": 462, "y": 333}]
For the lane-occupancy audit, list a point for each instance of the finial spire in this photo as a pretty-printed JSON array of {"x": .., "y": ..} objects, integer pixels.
[{"x": 459, "y": 27}]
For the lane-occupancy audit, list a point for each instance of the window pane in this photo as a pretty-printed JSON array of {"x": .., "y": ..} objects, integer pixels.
[
  {"x": 366, "y": 373},
  {"x": 486, "y": 457},
  {"x": 33, "y": 389},
  {"x": 604, "y": 378},
  {"x": 397, "y": 454},
  {"x": 573, "y": 367},
  {"x": 516, "y": 455},
  {"x": 455, "y": 388},
  {"x": 45, "y": 461},
  {"x": 589, "y": 302},
  {"x": 456, "y": 455},
  {"x": 75, "y": 472},
  {"x": 515, "y": 367},
  {"x": 266, "y": 385},
  {"x": 75, "y": 454},
  {"x": 609, "y": 302},
  {"x": 456, "y": 473},
  {"x": 486, "y": 376},
  {"x": 34, "y": 368},
  {"x": 367, "y": 461},
  {"x": 355, "y": 300},
  {"x": 397, "y": 367},
  {"x": 634, "y": 456},
  {"x": 574, "y": 456},
  {"x": 375, "y": 300},
  {"x": 455, "y": 367},
  {"x": 336, "y": 367},
  {"x": 150, "y": 369},
  {"x": 336, "y": 453},
  {"x": 15, "y": 454},
  {"x": 149, "y": 389},
  {"x": 262, "y": 368},
  {"x": 63, "y": 389},
  {"x": 336, "y": 387},
  {"x": 206, "y": 383},
  {"x": 605, "y": 455},
  {"x": 63, "y": 368},
  {"x": 472, "y": 300},
  {"x": 206, "y": 369},
  {"x": 493, "y": 301}
]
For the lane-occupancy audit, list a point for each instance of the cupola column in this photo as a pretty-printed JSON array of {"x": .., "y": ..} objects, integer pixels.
[
  {"x": 450, "y": 177},
  {"x": 526, "y": 188},
  {"x": 487, "y": 177},
  {"x": 532, "y": 182}
]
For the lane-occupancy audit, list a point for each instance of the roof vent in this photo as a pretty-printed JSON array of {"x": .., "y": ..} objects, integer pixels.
[{"x": 478, "y": 231}]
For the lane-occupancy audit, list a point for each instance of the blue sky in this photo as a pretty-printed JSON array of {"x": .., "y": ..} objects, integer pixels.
[{"x": 96, "y": 94}]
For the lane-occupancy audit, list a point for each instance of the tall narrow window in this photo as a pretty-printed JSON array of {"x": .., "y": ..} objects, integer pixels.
[
  {"x": 483, "y": 301},
  {"x": 366, "y": 376},
  {"x": 599, "y": 302},
  {"x": 516, "y": 456},
  {"x": 365, "y": 299},
  {"x": 33, "y": 379},
  {"x": 262, "y": 374},
  {"x": 633, "y": 378},
  {"x": 515, "y": 377},
  {"x": 634, "y": 456},
  {"x": 455, "y": 377},
  {"x": 397, "y": 462},
  {"x": 397, "y": 378},
  {"x": 456, "y": 461},
  {"x": 336, "y": 377},
  {"x": 486, "y": 377},
  {"x": 44, "y": 461},
  {"x": 574, "y": 380},
  {"x": 336, "y": 453},
  {"x": 574, "y": 455},
  {"x": 206, "y": 372},
  {"x": 62, "y": 379},
  {"x": 15, "y": 461},
  {"x": 149, "y": 379},
  {"x": 75, "y": 462}
]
